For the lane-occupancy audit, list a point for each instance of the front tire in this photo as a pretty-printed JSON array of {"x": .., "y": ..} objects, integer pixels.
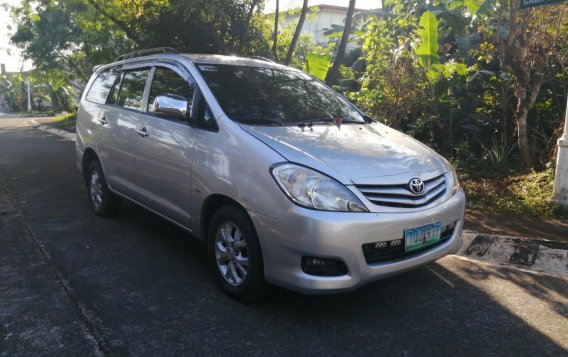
[
  {"x": 103, "y": 202},
  {"x": 235, "y": 255}
]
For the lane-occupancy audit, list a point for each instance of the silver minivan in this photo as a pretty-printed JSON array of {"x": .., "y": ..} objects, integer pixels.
[{"x": 285, "y": 181}]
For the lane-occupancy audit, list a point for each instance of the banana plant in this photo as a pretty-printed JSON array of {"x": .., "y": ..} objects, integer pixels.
[{"x": 427, "y": 51}]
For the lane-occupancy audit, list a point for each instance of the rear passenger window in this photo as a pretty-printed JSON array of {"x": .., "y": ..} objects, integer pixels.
[
  {"x": 167, "y": 82},
  {"x": 100, "y": 89},
  {"x": 132, "y": 89}
]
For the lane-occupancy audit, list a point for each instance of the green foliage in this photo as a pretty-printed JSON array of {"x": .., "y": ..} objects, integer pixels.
[
  {"x": 74, "y": 35},
  {"x": 427, "y": 51},
  {"x": 393, "y": 86},
  {"x": 318, "y": 65},
  {"x": 496, "y": 156},
  {"x": 304, "y": 46},
  {"x": 433, "y": 69},
  {"x": 14, "y": 89},
  {"x": 529, "y": 194},
  {"x": 65, "y": 121}
]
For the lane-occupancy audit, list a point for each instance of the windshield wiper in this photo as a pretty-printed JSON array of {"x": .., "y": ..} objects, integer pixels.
[{"x": 309, "y": 122}]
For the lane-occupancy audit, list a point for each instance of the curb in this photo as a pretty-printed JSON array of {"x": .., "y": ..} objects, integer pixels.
[
  {"x": 64, "y": 134},
  {"x": 25, "y": 115},
  {"x": 533, "y": 254}
]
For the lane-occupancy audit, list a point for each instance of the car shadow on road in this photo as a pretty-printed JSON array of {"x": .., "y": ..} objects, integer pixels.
[{"x": 437, "y": 309}]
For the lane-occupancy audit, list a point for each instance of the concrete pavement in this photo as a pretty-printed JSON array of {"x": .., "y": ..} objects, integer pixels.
[{"x": 29, "y": 279}]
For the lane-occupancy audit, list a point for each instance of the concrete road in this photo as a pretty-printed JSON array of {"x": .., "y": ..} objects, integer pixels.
[{"x": 75, "y": 284}]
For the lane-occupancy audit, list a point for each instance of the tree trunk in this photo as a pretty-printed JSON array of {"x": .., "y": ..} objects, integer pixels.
[
  {"x": 527, "y": 94},
  {"x": 521, "y": 116},
  {"x": 244, "y": 38},
  {"x": 275, "y": 34},
  {"x": 333, "y": 73},
  {"x": 296, "y": 33}
]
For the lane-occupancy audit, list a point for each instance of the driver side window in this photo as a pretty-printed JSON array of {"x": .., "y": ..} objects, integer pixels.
[{"x": 168, "y": 83}]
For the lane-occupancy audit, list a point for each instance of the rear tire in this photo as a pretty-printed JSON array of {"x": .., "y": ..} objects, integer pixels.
[
  {"x": 103, "y": 202},
  {"x": 235, "y": 255}
]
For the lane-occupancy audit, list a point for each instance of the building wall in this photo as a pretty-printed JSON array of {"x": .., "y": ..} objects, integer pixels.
[{"x": 321, "y": 22}]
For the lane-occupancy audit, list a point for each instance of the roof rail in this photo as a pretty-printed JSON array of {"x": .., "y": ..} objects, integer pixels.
[
  {"x": 148, "y": 52},
  {"x": 262, "y": 59}
]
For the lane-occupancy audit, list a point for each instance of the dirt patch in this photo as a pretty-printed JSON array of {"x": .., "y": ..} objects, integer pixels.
[{"x": 516, "y": 225}]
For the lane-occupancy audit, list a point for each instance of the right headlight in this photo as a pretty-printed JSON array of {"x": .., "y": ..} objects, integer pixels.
[
  {"x": 311, "y": 189},
  {"x": 455, "y": 184}
]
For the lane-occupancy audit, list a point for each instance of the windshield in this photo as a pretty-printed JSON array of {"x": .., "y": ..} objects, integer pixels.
[{"x": 269, "y": 96}]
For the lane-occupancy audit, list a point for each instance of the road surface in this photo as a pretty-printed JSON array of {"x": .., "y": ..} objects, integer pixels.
[{"x": 72, "y": 283}]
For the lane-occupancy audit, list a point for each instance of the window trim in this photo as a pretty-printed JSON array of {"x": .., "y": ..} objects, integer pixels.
[
  {"x": 124, "y": 70},
  {"x": 88, "y": 90},
  {"x": 194, "y": 121}
]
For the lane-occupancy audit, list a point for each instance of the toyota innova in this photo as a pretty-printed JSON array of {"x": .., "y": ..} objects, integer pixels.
[{"x": 285, "y": 181}]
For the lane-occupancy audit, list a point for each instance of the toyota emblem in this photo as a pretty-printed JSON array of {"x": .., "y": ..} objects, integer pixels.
[{"x": 416, "y": 186}]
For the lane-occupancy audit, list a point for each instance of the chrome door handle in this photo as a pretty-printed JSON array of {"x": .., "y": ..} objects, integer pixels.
[
  {"x": 143, "y": 132},
  {"x": 103, "y": 120}
]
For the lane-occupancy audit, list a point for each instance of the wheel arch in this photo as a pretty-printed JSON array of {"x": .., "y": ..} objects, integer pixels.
[
  {"x": 89, "y": 156},
  {"x": 211, "y": 205}
]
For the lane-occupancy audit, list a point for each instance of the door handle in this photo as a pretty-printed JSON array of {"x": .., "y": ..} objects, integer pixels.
[
  {"x": 143, "y": 132},
  {"x": 103, "y": 120}
]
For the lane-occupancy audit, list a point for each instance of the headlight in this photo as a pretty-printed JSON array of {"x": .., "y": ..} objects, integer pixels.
[
  {"x": 455, "y": 184},
  {"x": 312, "y": 189}
]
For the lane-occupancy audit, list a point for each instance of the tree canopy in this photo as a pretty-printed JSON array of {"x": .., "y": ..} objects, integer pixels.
[{"x": 481, "y": 81}]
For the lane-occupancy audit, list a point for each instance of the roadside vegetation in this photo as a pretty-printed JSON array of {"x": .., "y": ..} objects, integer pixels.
[
  {"x": 523, "y": 194},
  {"x": 481, "y": 82},
  {"x": 65, "y": 121}
]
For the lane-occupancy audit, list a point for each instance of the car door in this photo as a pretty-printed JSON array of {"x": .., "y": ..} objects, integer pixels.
[
  {"x": 164, "y": 146},
  {"x": 120, "y": 120},
  {"x": 96, "y": 127}
]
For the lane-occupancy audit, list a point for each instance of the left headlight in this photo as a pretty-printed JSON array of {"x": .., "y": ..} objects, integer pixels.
[{"x": 311, "y": 189}]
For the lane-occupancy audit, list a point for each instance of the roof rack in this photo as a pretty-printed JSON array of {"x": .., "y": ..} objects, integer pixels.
[{"x": 148, "y": 52}]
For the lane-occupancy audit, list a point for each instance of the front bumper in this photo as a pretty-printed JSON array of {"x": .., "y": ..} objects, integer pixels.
[{"x": 341, "y": 235}]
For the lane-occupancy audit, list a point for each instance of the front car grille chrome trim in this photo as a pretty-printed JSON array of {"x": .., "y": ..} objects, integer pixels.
[{"x": 399, "y": 195}]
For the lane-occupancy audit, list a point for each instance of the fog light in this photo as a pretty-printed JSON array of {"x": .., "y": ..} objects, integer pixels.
[
  {"x": 396, "y": 243},
  {"x": 323, "y": 267},
  {"x": 381, "y": 244}
]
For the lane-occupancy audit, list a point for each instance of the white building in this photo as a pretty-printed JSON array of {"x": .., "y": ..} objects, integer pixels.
[{"x": 317, "y": 23}]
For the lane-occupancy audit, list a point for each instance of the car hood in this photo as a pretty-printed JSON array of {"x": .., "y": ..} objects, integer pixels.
[{"x": 351, "y": 153}]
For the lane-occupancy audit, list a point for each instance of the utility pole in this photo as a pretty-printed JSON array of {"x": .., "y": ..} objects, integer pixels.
[
  {"x": 561, "y": 175},
  {"x": 29, "y": 97}
]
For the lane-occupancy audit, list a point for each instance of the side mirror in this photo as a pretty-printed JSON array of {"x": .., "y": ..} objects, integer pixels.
[{"x": 171, "y": 107}]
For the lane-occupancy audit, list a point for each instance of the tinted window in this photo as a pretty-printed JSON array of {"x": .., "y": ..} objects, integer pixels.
[
  {"x": 168, "y": 83},
  {"x": 100, "y": 89},
  {"x": 132, "y": 88},
  {"x": 269, "y": 96}
]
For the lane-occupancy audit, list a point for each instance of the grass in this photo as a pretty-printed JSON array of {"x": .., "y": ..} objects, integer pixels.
[
  {"x": 526, "y": 194},
  {"x": 65, "y": 121}
]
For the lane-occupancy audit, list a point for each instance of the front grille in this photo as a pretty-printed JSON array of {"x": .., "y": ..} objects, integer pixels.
[
  {"x": 394, "y": 249},
  {"x": 399, "y": 195}
]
